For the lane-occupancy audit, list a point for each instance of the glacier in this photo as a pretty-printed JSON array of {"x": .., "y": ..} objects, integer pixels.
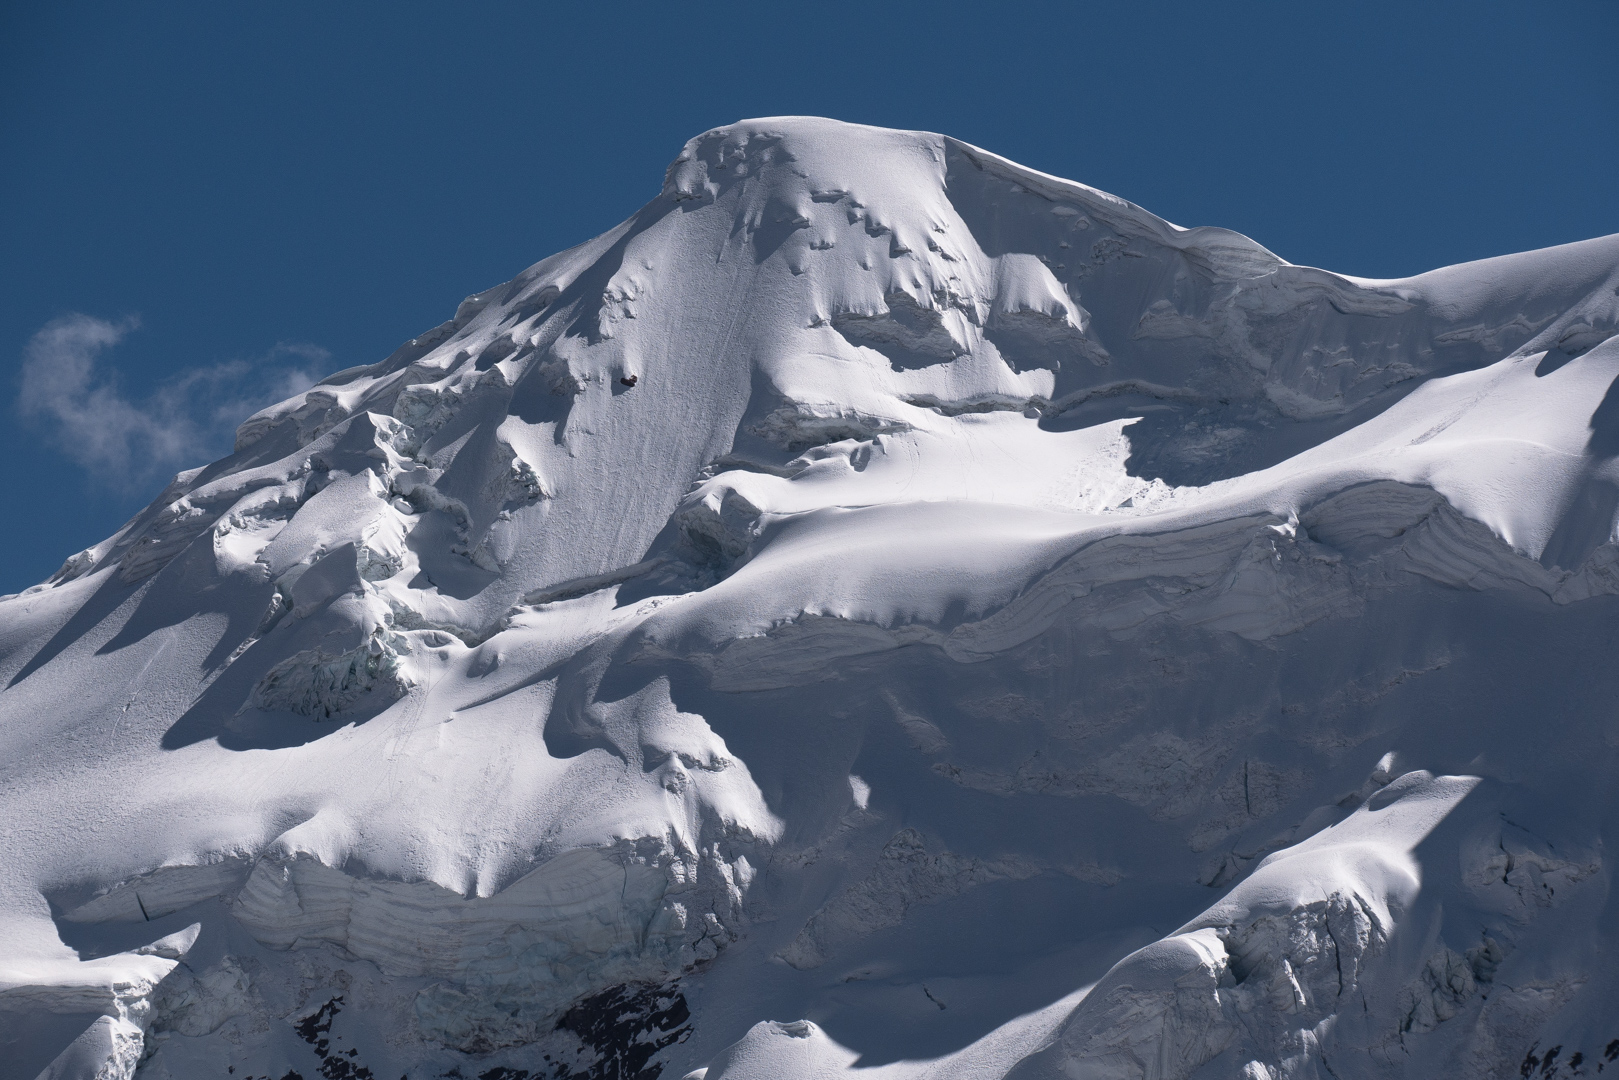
[{"x": 880, "y": 611}]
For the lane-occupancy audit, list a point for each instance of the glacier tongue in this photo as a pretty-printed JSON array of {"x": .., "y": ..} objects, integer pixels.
[{"x": 878, "y": 609}]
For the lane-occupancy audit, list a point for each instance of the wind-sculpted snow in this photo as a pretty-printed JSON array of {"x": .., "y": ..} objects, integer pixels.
[{"x": 880, "y": 610}]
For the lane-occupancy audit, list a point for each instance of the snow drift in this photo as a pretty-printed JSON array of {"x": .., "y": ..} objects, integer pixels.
[{"x": 880, "y": 610}]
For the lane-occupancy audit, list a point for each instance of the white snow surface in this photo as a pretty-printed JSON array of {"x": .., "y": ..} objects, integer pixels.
[{"x": 879, "y": 611}]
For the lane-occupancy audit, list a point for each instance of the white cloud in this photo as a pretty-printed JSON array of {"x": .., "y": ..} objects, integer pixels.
[{"x": 187, "y": 420}]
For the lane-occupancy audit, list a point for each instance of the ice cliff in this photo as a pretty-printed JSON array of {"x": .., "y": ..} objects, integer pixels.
[{"x": 882, "y": 611}]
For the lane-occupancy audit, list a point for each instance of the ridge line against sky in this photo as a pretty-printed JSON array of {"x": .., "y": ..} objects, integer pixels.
[{"x": 275, "y": 193}]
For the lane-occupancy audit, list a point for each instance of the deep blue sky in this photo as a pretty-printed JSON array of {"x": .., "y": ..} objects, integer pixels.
[{"x": 276, "y": 187}]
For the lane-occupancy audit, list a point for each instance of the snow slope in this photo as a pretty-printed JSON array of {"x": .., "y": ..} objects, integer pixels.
[{"x": 879, "y": 611}]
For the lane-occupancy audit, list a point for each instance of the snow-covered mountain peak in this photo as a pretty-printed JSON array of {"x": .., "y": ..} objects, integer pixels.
[{"x": 868, "y": 565}]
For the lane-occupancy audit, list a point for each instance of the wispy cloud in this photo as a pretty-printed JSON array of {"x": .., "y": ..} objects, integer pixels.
[{"x": 187, "y": 420}]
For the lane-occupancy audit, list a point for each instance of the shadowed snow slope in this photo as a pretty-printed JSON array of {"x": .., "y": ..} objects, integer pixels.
[{"x": 878, "y": 611}]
